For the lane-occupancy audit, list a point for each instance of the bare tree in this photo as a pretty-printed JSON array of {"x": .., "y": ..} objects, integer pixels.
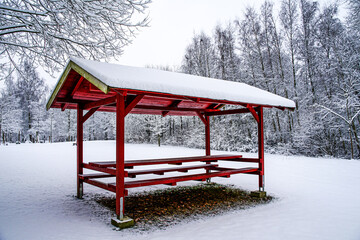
[{"x": 49, "y": 31}]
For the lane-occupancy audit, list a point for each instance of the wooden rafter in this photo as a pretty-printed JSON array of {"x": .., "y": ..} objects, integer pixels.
[
  {"x": 168, "y": 108},
  {"x": 175, "y": 103},
  {"x": 102, "y": 102},
  {"x": 129, "y": 106},
  {"x": 77, "y": 86},
  {"x": 227, "y": 112}
]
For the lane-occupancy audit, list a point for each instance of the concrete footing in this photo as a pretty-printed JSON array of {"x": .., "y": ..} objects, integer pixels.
[
  {"x": 125, "y": 223},
  {"x": 258, "y": 194}
]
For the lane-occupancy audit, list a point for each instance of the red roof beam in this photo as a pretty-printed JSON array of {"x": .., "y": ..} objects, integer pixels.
[
  {"x": 175, "y": 103},
  {"x": 168, "y": 108},
  {"x": 227, "y": 112},
  {"x": 102, "y": 102}
]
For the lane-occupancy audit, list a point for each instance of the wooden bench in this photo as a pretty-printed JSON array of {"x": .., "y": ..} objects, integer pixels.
[
  {"x": 174, "y": 180},
  {"x": 161, "y": 171},
  {"x": 132, "y": 163},
  {"x": 108, "y": 169},
  {"x": 133, "y": 174}
]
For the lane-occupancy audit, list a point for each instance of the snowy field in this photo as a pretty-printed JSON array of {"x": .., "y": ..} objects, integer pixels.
[{"x": 317, "y": 198}]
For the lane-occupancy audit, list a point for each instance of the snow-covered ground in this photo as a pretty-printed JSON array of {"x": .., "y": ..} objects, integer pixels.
[{"x": 317, "y": 198}]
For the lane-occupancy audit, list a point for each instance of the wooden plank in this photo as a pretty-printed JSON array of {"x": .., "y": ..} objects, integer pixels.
[
  {"x": 95, "y": 175},
  {"x": 162, "y": 108},
  {"x": 253, "y": 160},
  {"x": 227, "y": 112},
  {"x": 168, "y": 160},
  {"x": 180, "y": 160},
  {"x": 106, "y": 186},
  {"x": 100, "y": 169},
  {"x": 230, "y": 169},
  {"x": 175, "y": 103},
  {"x": 170, "y": 180},
  {"x": 101, "y": 102},
  {"x": 164, "y": 170}
]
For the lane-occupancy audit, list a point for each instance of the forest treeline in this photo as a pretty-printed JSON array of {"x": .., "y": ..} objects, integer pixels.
[{"x": 304, "y": 52}]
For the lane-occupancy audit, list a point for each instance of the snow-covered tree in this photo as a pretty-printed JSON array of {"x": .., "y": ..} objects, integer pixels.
[
  {"x": 49, "y": 31},
  {"x": 354, "y": 15},
  {"x": 30, "y": 89},
  {"x": 199, "y": 56},
  {"x": 10, "y": 113}
]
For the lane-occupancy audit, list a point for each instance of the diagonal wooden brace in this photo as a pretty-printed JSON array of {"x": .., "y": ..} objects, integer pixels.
[
  {"x": 89, "y": 114},
  {"x": 133, "y": 103},
  {"x": 202, "y": 118},
  {"x": 253, "y": 112}
]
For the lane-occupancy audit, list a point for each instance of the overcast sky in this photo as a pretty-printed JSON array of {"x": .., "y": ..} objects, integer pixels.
[{"x": 173, "y": 24}]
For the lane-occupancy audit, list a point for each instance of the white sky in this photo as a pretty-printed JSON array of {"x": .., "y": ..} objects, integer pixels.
[{"x": 173, "y": 24}]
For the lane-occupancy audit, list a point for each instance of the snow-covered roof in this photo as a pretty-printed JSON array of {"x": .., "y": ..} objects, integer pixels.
[{"x": 152, "y": 80}]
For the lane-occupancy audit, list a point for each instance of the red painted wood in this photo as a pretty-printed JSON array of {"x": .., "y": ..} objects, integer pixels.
[
  {"x": 101, "y": 102},
  {"x": 207, "y": 136},
  {"x": 106, "y": 186},
  {"x": 175, "y": 103},
  {"x": 120, "y": 155},
  {"x": 253, "y": 160},
  {"x": 95, "y": 175},
  {"x": 253, "y": 112},
  {"x": 133, "y": 103},
  {"x": 152, "y": 107},
  {"x": 202, "y": 118},
  {"x": 64, "y": 106},
  {"x": 133, "y": 174},
  {"x": 111, "y": 171},
  {"x": 261, "y": 148},
  {"x": 76, "y": 92},
  {"x": 131, "y": 163},
  {"x": 79, "y": 149},
  {"x": 227, "y": 112},
  {"x": 77, "y": 86},
  {"x": 169, "y": 180},
  {"x": 89, "y": 114}
]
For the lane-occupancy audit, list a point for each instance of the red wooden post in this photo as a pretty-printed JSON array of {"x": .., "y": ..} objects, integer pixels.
[
  {"x": 207, "y": 136},
  {"x": 261, "y": 148},
  {"x": 207, "y": 142},
  {"x": 79, "y": 148},
  {"x": 120, "y": 155}
]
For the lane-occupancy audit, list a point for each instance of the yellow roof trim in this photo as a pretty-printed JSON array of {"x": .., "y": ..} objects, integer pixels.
[{"x": 71, "y": 65}]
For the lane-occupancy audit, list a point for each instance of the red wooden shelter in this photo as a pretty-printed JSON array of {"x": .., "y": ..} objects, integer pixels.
[{"x": 96, "y": 86}]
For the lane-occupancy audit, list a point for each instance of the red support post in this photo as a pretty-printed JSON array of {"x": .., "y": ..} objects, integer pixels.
[
  {"x": 261, "y": 147},
  {"x": 79, "y": 146},
  {"x": 120, "y": 155},
  {"x": 207, "y": 136},
  {"x": 207, "y": 142}
]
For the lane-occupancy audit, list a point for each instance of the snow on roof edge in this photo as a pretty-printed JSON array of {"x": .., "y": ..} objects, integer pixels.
[{"x": 136, "y": 78}]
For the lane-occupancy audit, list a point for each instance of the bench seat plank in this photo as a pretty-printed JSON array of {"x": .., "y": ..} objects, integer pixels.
[
  {"x": 132, "y": 163},
  {"x": 171, "y": 180},
  {"x": 95, "y": 175},
  {"x": 132, "y": 174}
]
